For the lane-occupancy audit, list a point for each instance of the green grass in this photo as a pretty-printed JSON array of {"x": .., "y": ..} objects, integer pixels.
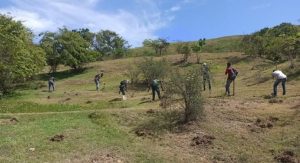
[{"x": 98, "y": 123}]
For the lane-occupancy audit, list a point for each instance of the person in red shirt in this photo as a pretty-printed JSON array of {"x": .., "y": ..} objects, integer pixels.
[{"x": 231, "y": 73}]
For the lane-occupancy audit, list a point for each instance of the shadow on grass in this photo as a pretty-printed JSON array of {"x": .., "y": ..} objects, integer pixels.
[
  {"x": 115, "y": 99},
  {"x": 138, "y": 86},
  {"x": 62, "y": 74},
  {"x": 182, "y": 63},
  {"x": 236, "y": 59},
  {"x": 160, "y": 122}
]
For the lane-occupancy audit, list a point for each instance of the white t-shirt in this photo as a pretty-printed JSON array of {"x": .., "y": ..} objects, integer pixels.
[{"x": 278, "y": 74}]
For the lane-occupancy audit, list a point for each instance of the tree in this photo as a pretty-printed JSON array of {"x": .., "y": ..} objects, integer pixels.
[
  {"x": 185, "y": 50},
  {"x": 53, "y": 49},
  {"x": 20, "y": 58},
  {"x": 197, "y": 48},
  {"x": 75, "y": 49},
  {"x": 151, "y": 69},
  {"x": 278, "y": 44},
  {"x": 159, "y": 45},
  {"x": 186, "y": 87},
  {"x": 86, "y": 34},
  {"x": 66, "y": 47},
  {"x": 109, "y": 43}
]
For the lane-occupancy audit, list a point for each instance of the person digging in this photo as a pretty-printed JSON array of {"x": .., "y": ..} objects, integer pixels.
[
  {"x": 155, "y": 85},
  {"x": 123, "y": 88}
]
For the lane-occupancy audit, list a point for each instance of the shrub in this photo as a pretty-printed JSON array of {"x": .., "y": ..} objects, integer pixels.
[
  {"x": 187, "y": 87},
  {"x": 151, "y": 69}
]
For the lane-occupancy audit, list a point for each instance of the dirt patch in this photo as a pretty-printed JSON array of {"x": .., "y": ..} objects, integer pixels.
[
  {"x": 98, "y": 157},
  {"x": 263, "y": 123},
  {"x": 9, "y": 121},
  {"x": 57, "y": 138},
  {"x": 143, "y": 133},
  {"x": 150, "y": 111},
  {"x": 93, "y": 115},
  {"x": 260, "y": 124},
  {"x": 267, "y": 96},
  {"x": 286, "y": 157},
  {"x": 273, "y": 119},
  {"x": 274, "y": 101},
  {"x": 88, "y": 102},
  {"x": 202, "y": 140},
  {"x": 115, "y": 99},
  {"x": 108, "y": 158}
]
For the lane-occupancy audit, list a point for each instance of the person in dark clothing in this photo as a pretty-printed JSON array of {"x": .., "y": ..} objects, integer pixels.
[
  {"x": 154, "y": 85},
  {"x": 231, "y": 75},
  {"x": 123, "y": 88},
  {"x": 51, "y": 83},
  {"x": 97, "y": 80}
]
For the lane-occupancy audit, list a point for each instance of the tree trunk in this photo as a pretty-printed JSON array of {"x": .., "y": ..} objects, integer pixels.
[
  {"x": 198, "y": 58},
  {"x": 292, "y": 66}
]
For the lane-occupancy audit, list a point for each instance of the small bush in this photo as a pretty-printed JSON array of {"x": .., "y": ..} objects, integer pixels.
[
  {"x": 152, "y": 69},
  {"x": 186, "y": 87}
]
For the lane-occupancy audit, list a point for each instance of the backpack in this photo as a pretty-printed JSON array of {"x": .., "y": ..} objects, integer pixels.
[
  {"x": 233, "y": 73},
  {"x": 154, "y": 83}
]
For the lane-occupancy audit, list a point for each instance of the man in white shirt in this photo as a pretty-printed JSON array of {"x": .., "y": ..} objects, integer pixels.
[{"x": 280, "y": 78}]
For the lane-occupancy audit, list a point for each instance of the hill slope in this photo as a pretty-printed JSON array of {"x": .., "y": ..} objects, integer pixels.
[
  {"x": 77, "y": 124},
  {"x": 217, "y": 45}
]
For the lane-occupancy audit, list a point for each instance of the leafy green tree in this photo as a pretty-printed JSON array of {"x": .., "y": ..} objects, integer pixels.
[
  {"x": 185, "y": 50},
  {"x": 86, "y": 34},
  {"x": 66, "y": 47},
  {"x": 109, "y": 43},
  {"x": 75, "y": 49},
  {"x": 53, "y": 49},
  {"x": 20, "y": 58},
  {"x": 197, "y": 48},
  {"x": 159, "y": 45},
  {"x": 278, "y": 44},
  {"x": 151, "y": 69}
]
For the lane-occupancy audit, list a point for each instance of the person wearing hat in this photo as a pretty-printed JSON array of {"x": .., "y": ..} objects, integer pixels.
[{"x": 206, "y": 76}]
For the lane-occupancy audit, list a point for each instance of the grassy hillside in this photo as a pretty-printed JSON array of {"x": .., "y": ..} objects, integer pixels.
[
  {"x": 217, "y": 45},
  {"x": 77, "y": 124}
]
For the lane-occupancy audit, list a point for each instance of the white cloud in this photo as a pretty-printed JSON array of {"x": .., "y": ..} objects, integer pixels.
[
  {"x": 175, "y": 8},
  {"x": 49, "y": 15}
]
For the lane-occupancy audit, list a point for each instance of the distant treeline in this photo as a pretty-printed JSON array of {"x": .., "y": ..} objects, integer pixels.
[
  {"x": 278, "y": 44},
  {"x": 21, "y": 59}
]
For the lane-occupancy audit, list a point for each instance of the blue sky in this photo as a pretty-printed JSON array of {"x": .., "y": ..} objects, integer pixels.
[{"x": 136, "y": 20}]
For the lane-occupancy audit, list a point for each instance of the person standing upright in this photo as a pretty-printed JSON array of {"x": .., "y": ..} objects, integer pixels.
[
  {"x": 231, "y": 75},
  {"x": 97, "y": 80},
  {"x": 51, "y": 84}
]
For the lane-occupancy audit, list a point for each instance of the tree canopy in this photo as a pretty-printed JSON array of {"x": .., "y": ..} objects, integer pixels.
[
  {"x": 109, "y": 43},
  {"x": 20, "y": 58},
  {"x": 277, "y": 44},
  {"x": 159, "y": 45}
]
